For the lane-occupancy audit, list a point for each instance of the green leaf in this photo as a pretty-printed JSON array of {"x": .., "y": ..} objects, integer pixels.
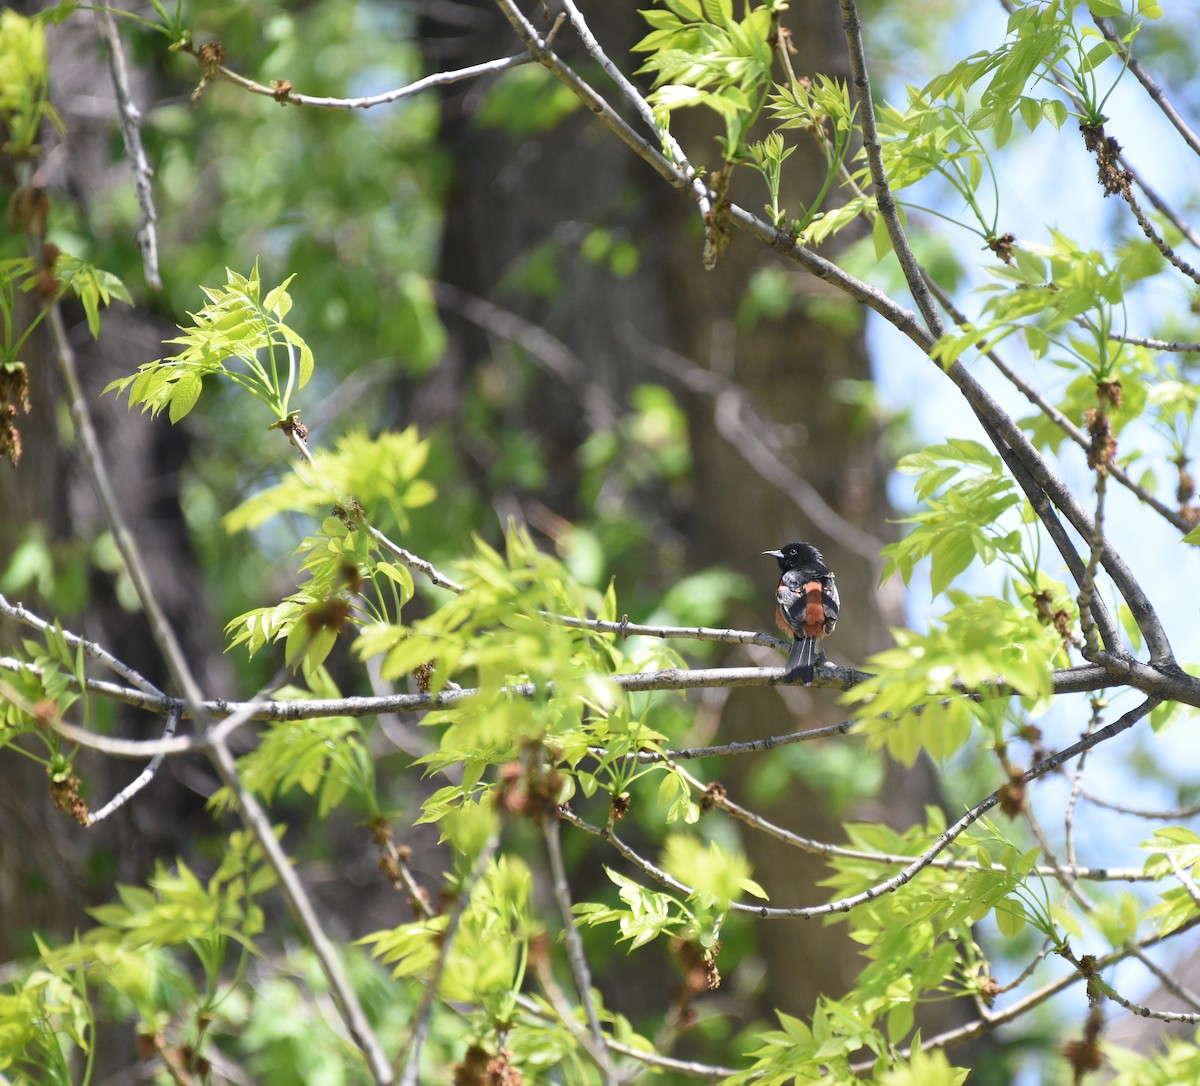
[
  {"x": 718, "y": 11},
  {"x": 1010, "y": 918},
  {"x": 184, "y": 394}
]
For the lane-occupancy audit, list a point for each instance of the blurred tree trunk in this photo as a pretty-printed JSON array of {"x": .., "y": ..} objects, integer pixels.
[{"x": 514, "y": 193}]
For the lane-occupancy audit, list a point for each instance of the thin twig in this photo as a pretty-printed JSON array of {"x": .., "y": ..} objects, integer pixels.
[
  {"x": 721, "y": 801},
  {"x": 139, "y": 782},
  {"x": 1185, "y": 880},
  {"x": 749, "y": 746},
  {"x": 1173, "y": 986},
  {"x": 410, "y": 1052},
  {"x": 574, "y": 944},
  {"x": 1087, "y": 587},
  {"x": 89, "y": 448},
  {"x": 19, "y": 613},
  {"x": 541, "y": 52},
  {"x": 873, "y": 150},
  {"x": 674, "y": 150},
  {"x": 1061, "y": 874},
  {"x": 1172, "y": 346},
  {"x": 1077, "y": 789},
  {"x": 130, "y": 115},
  {"x": 625, "y": 628},
  {"x": 297, "y": 898},
  {"x": 1159, "y": 242},
  {"x": 1141, "y": 1010},
  {"x": 1190, "y": 811},
  {"x": 1030, "y": 967},
  {"x": 281, "y": 90},
  {"x": 730, "y": 403},
  {"x": 692, "y": 1068},
  {"x": 414, "y": 562},
  {"x": 1157, "y": 95},
  {"x": 652, "y": 1059},
  {"x": 1160, "y": 205},
  {"x": 1021, "y": 1007}
]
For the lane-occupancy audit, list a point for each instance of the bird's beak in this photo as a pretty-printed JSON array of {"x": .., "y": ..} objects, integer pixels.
[{"x": 774, "y": 554}]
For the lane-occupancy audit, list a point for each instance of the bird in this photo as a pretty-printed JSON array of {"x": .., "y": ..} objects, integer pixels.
[{"x": 806, "y": 606}]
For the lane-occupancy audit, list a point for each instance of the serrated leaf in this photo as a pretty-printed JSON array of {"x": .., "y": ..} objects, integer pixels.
[{"x": 184, "y": 394}]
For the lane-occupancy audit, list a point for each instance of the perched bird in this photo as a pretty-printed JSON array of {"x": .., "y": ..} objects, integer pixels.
[{"x": 806, "y": 605}]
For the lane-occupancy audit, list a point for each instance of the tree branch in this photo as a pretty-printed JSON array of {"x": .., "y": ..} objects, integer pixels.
[
  {"x": 574, "y": 944},
  {"x": 281, "y": 90},
  {"x": 130, "y": 115},
  {"x": 20, "y": 614},
  {"x": 1157, "y": 95},
  {"x": 884, "y": 199},
  {"x": 410, "y": 1053}
]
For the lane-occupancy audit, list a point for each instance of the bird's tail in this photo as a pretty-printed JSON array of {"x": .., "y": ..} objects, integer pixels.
[{"x": 802, "y": 659}]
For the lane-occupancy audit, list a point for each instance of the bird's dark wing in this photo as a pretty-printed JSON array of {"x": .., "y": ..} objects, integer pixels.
[
  {"x": 792, "y": 599},
  {"x": 830, "y": 601}
]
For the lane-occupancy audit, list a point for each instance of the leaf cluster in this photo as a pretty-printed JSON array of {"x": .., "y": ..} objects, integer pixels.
[{"x": 238, "y": 325}]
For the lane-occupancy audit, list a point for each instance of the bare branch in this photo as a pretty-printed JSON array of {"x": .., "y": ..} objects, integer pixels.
[
  {"x": 1170, "y": 345},
  {"x": 1077, "y": 788},
  {"x": 302, "y": 908},
  {"x": 1023, "y": 1006},
  {"x": 102, "y": 656},
  {"x": 412, "y": 561},
  {"x": 281, "y": 90},
  {"x": 1087, "y": 586},
  {"x": 1157, "y": 95},
  {"x": 1157, "y": 816},
  {"x": 721, "y": 801},
  {"x": 1159, "y": 242},
  {"x": 1091, "y": 972},
  {"x": 539, "y": 49},
  {"x": 130, "y": 115},
  {"x": 1173, "y": 986},
  {"x": 89, "y": 447},
  {"x": 1074, "y": 680},
  {"x": 550, "y": 353},
  {"x": 574, "y": 944},
  {"x": 750, "y": 746},
  {"x": 410, "y": 1052},
  {"x": 884, "y": 199},
  {"x": 740, "y": 422},
  {"x": 139, "y": 782},
  {"x": 996, "y": 418},
  {"x": 677, "y": 157}
]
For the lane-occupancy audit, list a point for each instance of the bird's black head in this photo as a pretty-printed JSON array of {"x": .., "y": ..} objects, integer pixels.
[{"x": 795, "y": 555}]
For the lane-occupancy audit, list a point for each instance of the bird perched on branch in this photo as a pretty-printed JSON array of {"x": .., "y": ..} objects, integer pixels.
[{"x": 806, "y": 606}]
